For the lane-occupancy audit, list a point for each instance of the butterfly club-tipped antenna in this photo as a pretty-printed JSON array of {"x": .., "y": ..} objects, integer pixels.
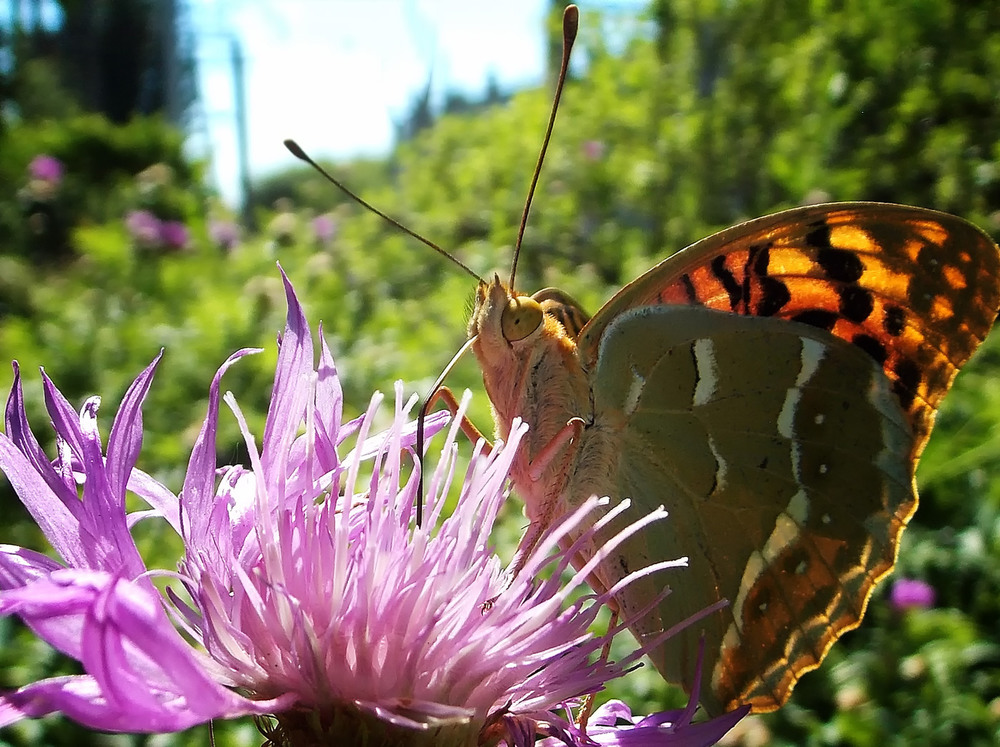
[
  {"x": 296, "y": 150},
  {"x": 571, "y": 24}
]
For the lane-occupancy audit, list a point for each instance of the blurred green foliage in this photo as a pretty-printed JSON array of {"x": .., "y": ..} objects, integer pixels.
[{"x": 707, "y": 113}]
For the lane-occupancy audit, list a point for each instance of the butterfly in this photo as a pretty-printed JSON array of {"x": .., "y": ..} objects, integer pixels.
[{"x": 773, "y": 386}]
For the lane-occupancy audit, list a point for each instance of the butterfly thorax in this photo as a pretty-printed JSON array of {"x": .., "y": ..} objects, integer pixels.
[{"x": 536, "y": 377}]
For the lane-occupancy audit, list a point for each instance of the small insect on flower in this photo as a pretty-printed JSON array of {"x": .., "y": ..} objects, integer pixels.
[{"x": 306, "y": 592}]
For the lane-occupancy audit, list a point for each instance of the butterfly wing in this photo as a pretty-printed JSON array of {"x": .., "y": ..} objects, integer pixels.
[
  {"x": 773, "y": 386},
  {"x": 917, "y": 289}
]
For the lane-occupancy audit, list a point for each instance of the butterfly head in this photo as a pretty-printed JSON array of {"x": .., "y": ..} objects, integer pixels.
[{"x": 502, "y": 319}]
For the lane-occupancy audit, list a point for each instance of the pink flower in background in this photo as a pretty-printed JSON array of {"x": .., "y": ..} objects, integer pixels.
[
  {"x": 46, "y": 168},
  {"x": 909, "y": 593},
  {"x": 324, "y": 228},
  {"x": 593, "y": 150},
  {"x": 225, "y": 234},
  {"x": 306, "y": 590},
  {"x": 143, "y": 227},
  {"x": 174, "y": 234}
]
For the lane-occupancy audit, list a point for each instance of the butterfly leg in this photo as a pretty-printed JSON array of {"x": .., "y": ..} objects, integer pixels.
[
  {"x": 564, "y": 441},
  {"x": 444, "y": 394},
  {"x": 567, "y": 436}
]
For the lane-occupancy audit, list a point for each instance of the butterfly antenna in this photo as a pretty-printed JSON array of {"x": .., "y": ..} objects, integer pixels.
[
  {"x": 422, "y": 416},
  {"x": 571, "y": 23},
  {"x": 297, "y": 151}
]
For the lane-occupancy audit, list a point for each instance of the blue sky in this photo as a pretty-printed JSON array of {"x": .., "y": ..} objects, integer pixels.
[{"x": 335, "y": 74}]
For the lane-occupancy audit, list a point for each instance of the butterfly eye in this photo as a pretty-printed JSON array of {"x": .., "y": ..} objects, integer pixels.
[{"x": 521, "y": 317}]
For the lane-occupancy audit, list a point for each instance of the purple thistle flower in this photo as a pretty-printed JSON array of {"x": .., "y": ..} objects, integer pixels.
[
  {"x": 174, "y": 234},
  {"x": 310, "y": 591},
  {"x": 46, "y": 168},
  {"x": 909, "y": 593},
  {"x": 225, "y": 234},
  {"x": 143, "y": 227},
  {"x": 613, "y": 724},
  {"x": 324, "y": 228}
]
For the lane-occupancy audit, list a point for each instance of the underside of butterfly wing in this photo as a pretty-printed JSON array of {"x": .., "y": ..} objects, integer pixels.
[
  {"x": 773, "y": 386},
  {"x": 787, "y": 487},
  {"x": 916, "y": 289}
]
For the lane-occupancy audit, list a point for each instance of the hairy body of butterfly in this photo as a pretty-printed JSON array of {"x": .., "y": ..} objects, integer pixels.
[{"x": 773, "y": 387}]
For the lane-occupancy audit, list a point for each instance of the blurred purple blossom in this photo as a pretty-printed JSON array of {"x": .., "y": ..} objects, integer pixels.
[
  {"x": 593, "y": 150},
  {"x": 225, "y": 234},
  {"x": 324, "y": 228},
  {"x": 143, "y": 227},
  {"x": 174, "y": 234},
  {"x": 46, "y": 168},
  {"x": 911, "y": 593}
]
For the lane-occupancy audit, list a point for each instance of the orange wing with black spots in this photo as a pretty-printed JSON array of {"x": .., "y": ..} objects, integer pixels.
[{"x": 916, "y": 289}]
